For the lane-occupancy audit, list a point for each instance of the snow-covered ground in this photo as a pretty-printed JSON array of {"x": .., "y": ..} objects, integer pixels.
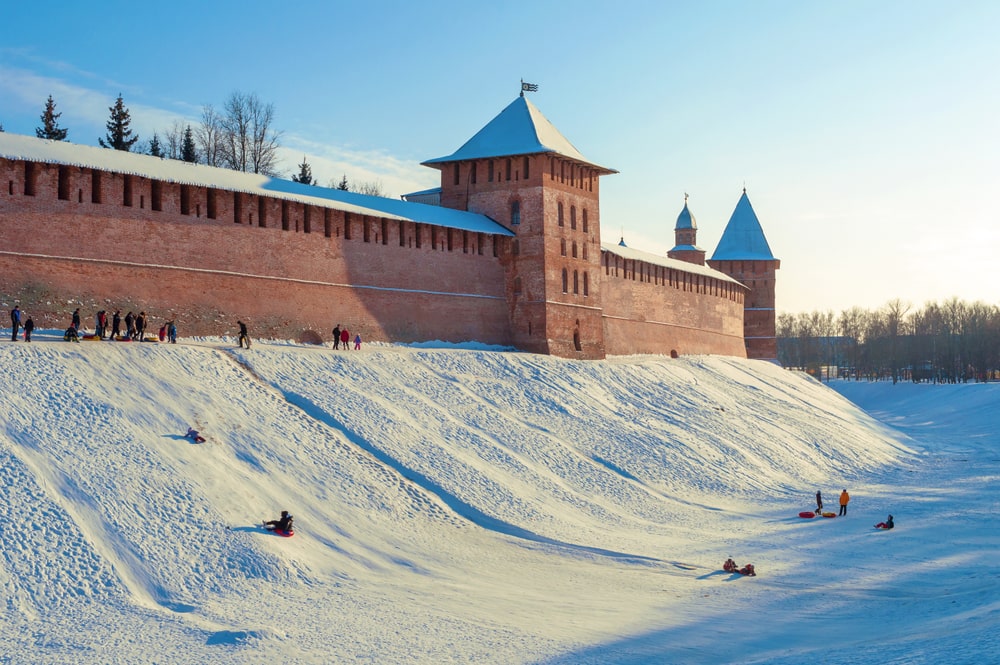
[{"x": 463, "y": 505}]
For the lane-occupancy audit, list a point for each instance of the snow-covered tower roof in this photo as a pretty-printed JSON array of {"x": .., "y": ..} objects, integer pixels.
[
  {"x": 743, "y": 239},
  {"x": 519, "y": 129}
]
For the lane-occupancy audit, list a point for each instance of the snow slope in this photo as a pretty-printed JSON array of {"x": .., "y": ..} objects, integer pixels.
[{"x": 461, "y": 505}]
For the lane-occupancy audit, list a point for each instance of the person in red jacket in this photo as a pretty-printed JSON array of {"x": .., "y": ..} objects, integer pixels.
[{"x": 345, "y": 339}]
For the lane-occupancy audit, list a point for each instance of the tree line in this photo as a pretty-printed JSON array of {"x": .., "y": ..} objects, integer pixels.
[
  {"x": 953, "y": 341},
  {"x": 240, "y": 136}
]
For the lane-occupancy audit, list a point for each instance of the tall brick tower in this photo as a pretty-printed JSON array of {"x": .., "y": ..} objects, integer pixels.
[
  {"x": 686, "y": 238},
  {"x": 521, "y": 172},
  {"x": 744, "y": 255}
]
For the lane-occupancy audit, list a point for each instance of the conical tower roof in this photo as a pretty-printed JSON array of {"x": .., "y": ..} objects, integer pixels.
[
  {"x": 520, "y": 129},
  {"x": 743, "y": 239}
]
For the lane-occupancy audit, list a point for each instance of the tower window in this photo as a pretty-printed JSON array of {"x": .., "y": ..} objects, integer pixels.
[
  {"x": 560, "y": 214},
  {"x": 515, "y": 213},
  {"x": 572, "y": 217},
  {"x": 458, "y": 177},
  {"x": 585, "y": 225}
]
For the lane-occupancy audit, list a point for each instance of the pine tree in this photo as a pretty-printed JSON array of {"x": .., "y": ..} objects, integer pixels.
[
  {"x": 342, "y": 185},
  {"x": 119, "y": 133},
  {"x": 155, "y": 149},
  {"x": 50, "y": 123},
  {"x": 305, "y": 175},
  {"x": 189, "y": 151}
]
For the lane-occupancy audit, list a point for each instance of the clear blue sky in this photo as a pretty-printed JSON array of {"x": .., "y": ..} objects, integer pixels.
[{"x": 867, "y": 133}]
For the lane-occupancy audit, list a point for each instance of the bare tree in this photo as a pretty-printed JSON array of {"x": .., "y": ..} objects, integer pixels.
[
  {"x": 173, "y": 140},
  {"x": 209, "y": 136},
  {"x": 372, "y": 188},
  {"x": 250, "y": 144}
]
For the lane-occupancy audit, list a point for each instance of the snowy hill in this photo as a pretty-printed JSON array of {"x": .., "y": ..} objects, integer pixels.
[{"x": 456, "y": 505}]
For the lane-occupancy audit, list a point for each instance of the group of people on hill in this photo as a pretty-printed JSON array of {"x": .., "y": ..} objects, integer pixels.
[
  {"x": 845, "y": 498},
  {"x": 17, "y": 321},
  {"x": 110, "y": 326},
  {"x": 342, "y": 338}
]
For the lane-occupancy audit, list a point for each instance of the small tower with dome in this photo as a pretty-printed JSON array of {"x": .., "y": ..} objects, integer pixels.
[{"x": 686, "y": 238}]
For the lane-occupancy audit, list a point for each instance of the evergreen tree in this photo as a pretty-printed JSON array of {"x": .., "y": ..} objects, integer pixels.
[
  {"x": 119, "y": 135},
  {"x": 155, "y": 149},
  {"x": 50, "y": 128},
  {"x": 305, "y": 175},
  {"x": 342, "y": 185},
  {"x": 189, "y": 152}
]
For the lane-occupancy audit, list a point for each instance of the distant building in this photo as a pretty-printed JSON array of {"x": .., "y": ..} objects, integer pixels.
[{"x": 506, "y": 251}]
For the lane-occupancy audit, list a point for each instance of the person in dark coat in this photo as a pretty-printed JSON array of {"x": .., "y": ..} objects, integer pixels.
[
  {"x": 282, "y": 524},
  {"x": 819, "y": 502},
  {"x": 130, "y": 326},
  {"x": 336, "y": 337},
  {"x": 15, "y": 322},
  {"x": 140, "y": 325},
  {"x": 29, "y": 325},
  {"x": 116, "y": 324},
  {"x": 76, "y": 319},
  {"x": 244, "y": 335},
  {"x": 888, "y": 524},
  {"x": 171, "y": 332}
]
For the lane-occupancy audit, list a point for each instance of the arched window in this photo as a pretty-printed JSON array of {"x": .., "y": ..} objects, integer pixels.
[
  {"x": 565, "y": 276},
  {"x": 586, "y": 284},
  {"x": 515, "y": 213},
  {"x": 574, "y": 249},
  {"x": 584, "y": 251},
  {"x": 576, "y": 282},
  {"x": 586, "y": 229},
  {"x": 572, "y": 217},
  {"x": 560, "y": 213},
  {"x": 562, "y": 247}
]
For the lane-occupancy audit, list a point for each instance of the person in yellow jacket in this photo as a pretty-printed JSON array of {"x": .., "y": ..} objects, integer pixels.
[{"x": 844, "y": 498}]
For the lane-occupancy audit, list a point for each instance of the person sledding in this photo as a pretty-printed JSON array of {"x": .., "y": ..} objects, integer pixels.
[
  {"x": 283, "y": 525},
  {"x": 730, "y": 566},
  {"x": 71, "y": 335},
  {"x": 194, "y": 435},
  {"x": 888, "y": 524},
  {"x": 748, "y": 570}
]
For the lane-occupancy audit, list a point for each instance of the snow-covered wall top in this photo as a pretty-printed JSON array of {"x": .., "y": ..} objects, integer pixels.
[
  {"x": 27, "y": 148},
  {"x": 666, "y": 262}
]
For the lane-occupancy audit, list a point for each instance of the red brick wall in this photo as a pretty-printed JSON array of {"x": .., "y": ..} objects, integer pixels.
[
  {"x": 759, "y": 317},
  {"x": 646, "y": 312},
  {"x": 210, "y": 272}
]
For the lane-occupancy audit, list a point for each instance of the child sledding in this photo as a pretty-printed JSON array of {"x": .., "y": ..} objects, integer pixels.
[
  {"x": 281, "y": 526},
  {"x": 731, "y": 566},
  {"x": 886, "y": 525},
  {"x": 194, "y": 435}
]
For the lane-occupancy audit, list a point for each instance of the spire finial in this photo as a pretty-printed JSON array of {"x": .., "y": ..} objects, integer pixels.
[{"x": 685, "y": 198}]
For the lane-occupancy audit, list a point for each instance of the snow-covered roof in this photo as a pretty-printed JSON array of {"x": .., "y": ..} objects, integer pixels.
[
  {"x": 743, "y": 239},
  {"x": 665, "y": 261},
  {"x": 28, "y": 148},
  {"x": 520, "y": 129}
]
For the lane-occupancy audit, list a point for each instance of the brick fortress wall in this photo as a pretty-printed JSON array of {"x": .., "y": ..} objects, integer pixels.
[
  {"x": 654, "y": 309},
  {"x": 208, "y": 257}
]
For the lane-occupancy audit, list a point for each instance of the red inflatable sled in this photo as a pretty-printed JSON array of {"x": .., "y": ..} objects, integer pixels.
[{"x": 807, "y": 514}]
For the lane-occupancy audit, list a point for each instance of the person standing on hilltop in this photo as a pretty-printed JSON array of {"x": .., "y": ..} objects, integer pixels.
[
  {"x": 844, "y": 498},
  {"x": 116, "y": 324},
  {"x": 76, "y": 319},
  {"x": 345, "y": 339},
  {"x": 15, "y": 322},
  {"x": 244, "y": 335},
  {"x": 130, "y": 326},
  {"x": 29, "y": 325},
  {"x": 819, "y": 502},
  {"x": 336, "y": 337},
  {"x": 140, "y": 325}
]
